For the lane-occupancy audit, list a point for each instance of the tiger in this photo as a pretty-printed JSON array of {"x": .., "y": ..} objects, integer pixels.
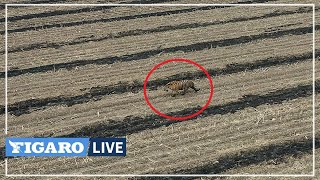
[{"x": 180, "y": 87}]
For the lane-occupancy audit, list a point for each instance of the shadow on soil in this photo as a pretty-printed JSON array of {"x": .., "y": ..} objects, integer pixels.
[
  {"x": 105, "y": 20},
  {"x": 121, "y": 18},
  {"x": 134, "y": 124},
  {"x": 30, "y": 2},
  {"x": 71, "y": 11},
  {"x": 151, "y": 53},
  {"x": 277, "y": 153},
  {"x": 96, "y": 93},
  {"x": 137, "y": 32}
]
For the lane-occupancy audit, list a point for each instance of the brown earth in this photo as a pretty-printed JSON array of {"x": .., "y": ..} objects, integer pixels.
[{"x": 80, "y": 80}]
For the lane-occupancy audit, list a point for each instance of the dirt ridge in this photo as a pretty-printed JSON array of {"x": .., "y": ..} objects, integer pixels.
[
  {"x": 131, "y": 124},
  {"x": 138, "y": 32},
  {"x": 150, "y": 53},
  {"x": 121, "y": 18},
  {"x": 73, "y": 11},
  {"x": 134, "y": 124},
  {"x": 275, "y": 152},
  {"x": 96, "y": 93},
  {"x": 30, "y": 2}
]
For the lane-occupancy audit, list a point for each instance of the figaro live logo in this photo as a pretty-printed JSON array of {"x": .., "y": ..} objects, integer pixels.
[{"x": 65, "y": 147}]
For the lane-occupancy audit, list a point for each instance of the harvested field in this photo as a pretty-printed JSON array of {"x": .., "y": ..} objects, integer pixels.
[{"x": 79, "y": 72}]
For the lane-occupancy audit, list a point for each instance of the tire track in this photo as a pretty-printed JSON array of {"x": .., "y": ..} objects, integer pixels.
[
  {"x": 96, "y": 93},
  {"x": 122, "y": 18},
  {"x": 150, "y": 53},
  {"x": 276, "y": 152},
  {"x": 138, "y": 32}
]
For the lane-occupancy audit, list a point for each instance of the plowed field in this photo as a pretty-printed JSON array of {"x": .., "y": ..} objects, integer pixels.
[{"x": 79, "y": 72}]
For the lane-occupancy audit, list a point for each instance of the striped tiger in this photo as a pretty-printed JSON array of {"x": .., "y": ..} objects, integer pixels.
[{"x": 180, "y": 87}]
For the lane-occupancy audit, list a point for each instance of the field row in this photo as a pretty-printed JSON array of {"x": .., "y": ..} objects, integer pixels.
[
  {"x": 62, "y": 119},
  {"x": 190, "y": 142},
  {"x": 147, "y": 46},
  {"x": 78, "y": 72},
  {"x": 51, "y": 12},
  {"x": 114, "y": 27},
  {"x": 72, "y": 82}
]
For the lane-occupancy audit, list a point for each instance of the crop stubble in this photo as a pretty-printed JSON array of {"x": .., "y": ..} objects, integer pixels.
[
  {"x": 154, "y": 150},
  {"x": 109, "y": 75}
]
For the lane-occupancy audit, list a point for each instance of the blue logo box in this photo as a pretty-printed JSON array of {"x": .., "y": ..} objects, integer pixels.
[{"x": 65, "y": 147}]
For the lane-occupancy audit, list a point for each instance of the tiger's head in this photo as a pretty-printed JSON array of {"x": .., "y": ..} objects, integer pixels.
[{"x": 168, "y": 86}]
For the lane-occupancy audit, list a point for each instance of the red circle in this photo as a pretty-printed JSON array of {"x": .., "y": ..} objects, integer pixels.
[{"x": 182, "y": 118}]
